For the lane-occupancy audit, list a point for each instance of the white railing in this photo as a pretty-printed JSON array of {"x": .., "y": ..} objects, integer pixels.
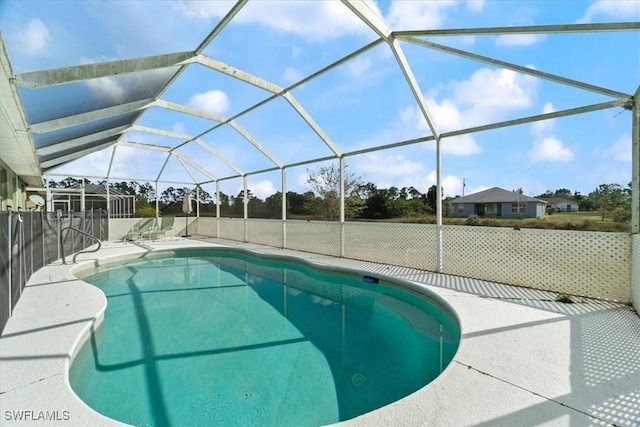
[
  {"x": 232, "y": 228},
  {"x": 265, "y": 232},
  {"x": 320, "y": 237},
  {"x": 584, "y": 263},
  {"x": 406, "y": 245},
  {"x": 593, "y": 264}
]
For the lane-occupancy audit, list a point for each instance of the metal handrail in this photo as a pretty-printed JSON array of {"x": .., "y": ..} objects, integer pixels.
[{"x": 82, "y": 251}]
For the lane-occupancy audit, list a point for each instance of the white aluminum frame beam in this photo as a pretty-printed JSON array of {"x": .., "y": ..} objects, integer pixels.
[
  {"x": 57, "y": 162},
  {"x": 122, "y": 178},
  {"x": 79, "y": 142},
  {"x": 164, "y": 165},
  {"x": 625, "y": 103},
  {"x": 188, "y": 138},
  {"x": 219, "y": 156},
  {"x": 231, "y": 122},
  {"x": 186, "y": 168},
  {"x": 518, "y": 68},
  {"x": 90, "y": 116},
  {"x": 57, "y": 76},
  {"x": 531, "y": 29},
  {"x": 223, "y": 23},
  {"x": 161, "y": 103},
  {"x": 196, "y": 166},
  {"x": 373, "y": 21},
  {"x": 272, "y": 88},
  {"x": 143, "y": 146},
  {"x": 162, "y": 132}
]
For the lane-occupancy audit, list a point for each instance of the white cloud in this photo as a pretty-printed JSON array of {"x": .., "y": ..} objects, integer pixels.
[
  {"x": 262, "y": 189},
  {"x": 544, "y": 126},
  {"x": 462, "y": 145},
  {"x": 204, "y": 9},
  {"x": 493, "y": 93},
  {"x": 107, "y": 88},
  {"x": 213, "y": 101},
  {"x": 291, "y": 75},
  {"x": 119, "y": 88},
  {"x": 179, "y": 127},
  {"x": 296, "y": 51},
  {"x": 519, "y": 39},
  {"x": 451, "y": 184},
  {"x": 358, "y": 66},
  {"x": 468, "y": 40},
  {"x": 400, "y": 171},
  {"x": 473, "y": 190},
  {"x": 447, "y": 117},
  {"x": 32, "y": 39},
  {"x": 550, "y": 149},
  {"x": 389, "y": 166},
  {"x": 487, "y": 96},
  {"x": 314, "y": 21},
  {"x": 475, "y": 5},
  {"x": 616, "y": 9},
  {"x": 621, "y": 149},
  {"x": 411, "y": 15}
]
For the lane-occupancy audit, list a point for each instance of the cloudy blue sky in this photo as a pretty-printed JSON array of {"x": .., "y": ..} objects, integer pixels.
[{"x": 362, "y": 103}]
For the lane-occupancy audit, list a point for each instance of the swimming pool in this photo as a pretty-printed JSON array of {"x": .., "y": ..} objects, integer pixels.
[{"x": 204, "y": 337}]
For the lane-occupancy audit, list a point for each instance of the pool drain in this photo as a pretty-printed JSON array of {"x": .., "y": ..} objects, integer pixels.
[{"x": 358, "y": 379}]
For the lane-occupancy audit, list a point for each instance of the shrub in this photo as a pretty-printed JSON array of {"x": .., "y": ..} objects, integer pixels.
[
  {"x": 146, "y": 211},
  {"x": 473, "y": 220},
  {"x": 565, "y": 298},
  {"x": 621, "y": 214}
]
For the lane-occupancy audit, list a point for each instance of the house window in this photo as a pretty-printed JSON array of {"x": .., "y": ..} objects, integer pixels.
[
  {"x": 518, "y": 208},
  {"x": 460, "y": 208}
]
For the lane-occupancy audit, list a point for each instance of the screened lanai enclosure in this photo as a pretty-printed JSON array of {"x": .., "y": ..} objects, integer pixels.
[{"x": 254, "y": 97}]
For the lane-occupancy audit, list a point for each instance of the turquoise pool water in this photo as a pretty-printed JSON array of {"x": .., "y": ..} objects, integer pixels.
[{"x": 230, "y": 338}]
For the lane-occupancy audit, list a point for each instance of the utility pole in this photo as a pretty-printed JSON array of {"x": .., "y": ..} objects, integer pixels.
[{"x": 464, "y": 184}]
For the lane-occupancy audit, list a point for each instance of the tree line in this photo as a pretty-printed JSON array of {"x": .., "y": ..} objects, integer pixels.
[
  {"x": 362, "y": 200},
  {"x": 609, "y": 200}
]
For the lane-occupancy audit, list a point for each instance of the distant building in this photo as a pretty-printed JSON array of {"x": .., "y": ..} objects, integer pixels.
[
  {"x": 561, "y": 204},
  {"x": 500, "y": 203}
]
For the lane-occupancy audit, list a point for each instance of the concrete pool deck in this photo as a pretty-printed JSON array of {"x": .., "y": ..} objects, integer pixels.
[{"x": 524, "y": 359}]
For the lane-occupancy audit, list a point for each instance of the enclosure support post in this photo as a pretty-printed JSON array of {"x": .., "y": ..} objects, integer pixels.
[
  {"x": 635, "y": 164},
  {"x": 48, "y": 195},
  {"x": 246, "y": 206},
  {"x": 106, "y": 187},
  {"x": 342, "y": 206},
  {"x": 58, "y": 229},
  {"x": 439, "y": 204},
  {"x": 197, "y": 201},
  {"x": 44, "y": 257},
  {"x": 157, "y": 203},
  {"x": 21, "y": 249},
  {"x": 284, "y": 208},
  {"x": 218, "y": 209},
  {"x": 82, "y": 196},
  {"x": 10, "y": 253}
]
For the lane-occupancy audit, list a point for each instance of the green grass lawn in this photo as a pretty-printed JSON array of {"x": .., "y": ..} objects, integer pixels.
[
  {"x": 576, "y": 216},
  {"x": 582, "y": 221}
]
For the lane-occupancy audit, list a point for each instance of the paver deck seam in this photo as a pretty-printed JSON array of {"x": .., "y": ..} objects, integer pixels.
[{"x": 532, "y": 392}]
